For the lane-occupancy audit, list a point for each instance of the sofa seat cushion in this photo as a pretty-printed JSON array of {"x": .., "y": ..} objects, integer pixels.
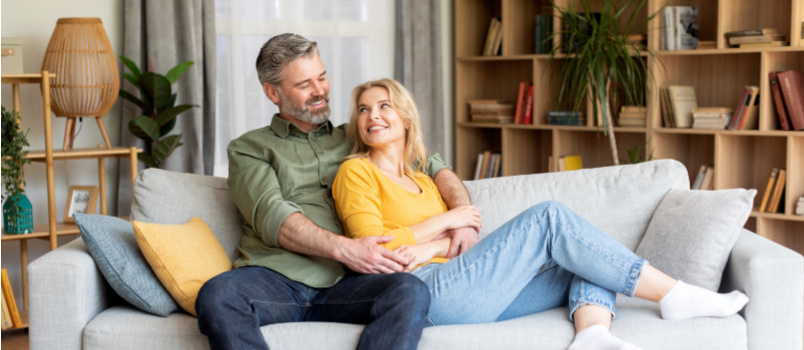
[{"x": 638, "y": 321}]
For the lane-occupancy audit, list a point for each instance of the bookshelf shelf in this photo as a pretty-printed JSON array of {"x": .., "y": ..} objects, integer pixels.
[{"x": 741, "y": 158}]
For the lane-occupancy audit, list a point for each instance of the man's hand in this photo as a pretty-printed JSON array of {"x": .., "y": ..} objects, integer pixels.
[
  {"x": 462, "y": 239},
  {"x": 365, "y": 255}
]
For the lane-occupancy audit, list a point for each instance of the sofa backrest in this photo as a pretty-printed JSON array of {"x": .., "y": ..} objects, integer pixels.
[
  {"x": 173, "y": 198},
  {"x": 619, "y": 200}
]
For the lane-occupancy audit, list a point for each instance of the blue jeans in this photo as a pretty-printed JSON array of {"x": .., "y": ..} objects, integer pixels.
[
  {"x": 232, "y": 306},
  {"x": 545, "y": 257}
]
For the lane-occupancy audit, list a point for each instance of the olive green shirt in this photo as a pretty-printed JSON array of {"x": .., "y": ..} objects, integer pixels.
[{"x": 279, "y": 170}]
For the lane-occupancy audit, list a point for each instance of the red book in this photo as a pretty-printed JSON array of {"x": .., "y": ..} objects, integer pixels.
[
  {"x": 519, "y": 102},
  {"x": 738, "y": 111},
  {"x": 781, "y": 110},
  {"x": 792, "y": 86},
  {"x": 528, "y": 117}
]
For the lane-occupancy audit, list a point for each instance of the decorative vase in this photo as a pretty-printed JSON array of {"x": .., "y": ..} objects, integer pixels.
[
  {"x": 87, "y": 80},
  {"x": 22, "y": 222}
]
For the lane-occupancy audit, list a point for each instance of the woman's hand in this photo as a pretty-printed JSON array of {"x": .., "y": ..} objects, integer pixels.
[
  {"x": 417, "y": 254},
  {"x": 463, "y": 216}
]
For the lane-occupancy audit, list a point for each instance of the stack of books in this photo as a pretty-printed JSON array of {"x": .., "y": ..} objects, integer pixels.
[
  {"x": 773, "y": 192},
  {"x": 639, "y": 41},
  {"x": 800, "y": 207},
  {"x": 704, "y": 45},
  {"x": 566, "y": 118},
  {"x": 765, "y": 37},
  {"x": 633, "y": 116},
  {"x": 704, "y": 179},
  {"x": 747, "y": 115},
  {"x": 711, "y": 117},
  {"x": 491, "y": 111},
  {"x": 679, "y": 28},
  {"x": 489, "y": 165},
  {"x": 787, "y": 89}
]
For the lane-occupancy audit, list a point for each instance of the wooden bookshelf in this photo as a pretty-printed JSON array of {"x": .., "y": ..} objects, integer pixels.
[{"x": 741, "y": 158}]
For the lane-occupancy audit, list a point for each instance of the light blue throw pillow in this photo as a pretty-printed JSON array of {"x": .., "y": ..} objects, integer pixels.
[{"x": 111, "y": 243}]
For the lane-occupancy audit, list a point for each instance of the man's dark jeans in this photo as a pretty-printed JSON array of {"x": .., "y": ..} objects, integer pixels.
[{"x": 232, "y": 306}]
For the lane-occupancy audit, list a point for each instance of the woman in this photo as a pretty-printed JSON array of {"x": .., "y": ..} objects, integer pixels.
[{"x": 545, "y": 257}]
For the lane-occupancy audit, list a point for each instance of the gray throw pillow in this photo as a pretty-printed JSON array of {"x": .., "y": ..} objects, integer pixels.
[
  {"x": 692, "y": 233},
  {"x": 111, "y": 243}
]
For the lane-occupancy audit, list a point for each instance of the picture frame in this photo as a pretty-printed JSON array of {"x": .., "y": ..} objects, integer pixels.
[{"x": 81, "y": 200}]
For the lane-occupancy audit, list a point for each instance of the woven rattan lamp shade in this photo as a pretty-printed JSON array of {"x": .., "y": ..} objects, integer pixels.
[{"x": 87, "y": 80}]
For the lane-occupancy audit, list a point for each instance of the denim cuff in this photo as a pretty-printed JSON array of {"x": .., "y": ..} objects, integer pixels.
[{"x": 633, "y": 278}]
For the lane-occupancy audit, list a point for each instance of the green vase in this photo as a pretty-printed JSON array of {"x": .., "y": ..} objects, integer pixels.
[{"x": 22, "y": 222}]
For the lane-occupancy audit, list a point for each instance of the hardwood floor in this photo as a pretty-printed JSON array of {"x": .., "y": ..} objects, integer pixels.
[{"x": 15, "y": 340}]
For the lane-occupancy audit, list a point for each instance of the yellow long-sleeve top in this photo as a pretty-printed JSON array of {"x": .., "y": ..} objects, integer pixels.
[{"x": 371, "y": 204}]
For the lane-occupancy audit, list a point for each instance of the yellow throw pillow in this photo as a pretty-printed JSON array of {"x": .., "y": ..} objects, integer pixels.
[{"x": 183, "y": 257}]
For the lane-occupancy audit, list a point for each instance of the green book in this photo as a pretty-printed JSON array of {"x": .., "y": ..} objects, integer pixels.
[{"x": 544, "y": 34}]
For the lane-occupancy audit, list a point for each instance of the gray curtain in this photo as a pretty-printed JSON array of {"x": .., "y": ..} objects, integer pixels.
[
  {"x": 170, "y": 32},
  {"x": 418, "y": 64}
]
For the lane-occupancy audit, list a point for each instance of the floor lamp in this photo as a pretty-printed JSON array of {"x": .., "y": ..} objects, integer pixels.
[{"x": 87, "y": 80}]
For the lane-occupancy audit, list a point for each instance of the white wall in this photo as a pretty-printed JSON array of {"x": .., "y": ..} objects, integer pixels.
[{"x": 34, "y": 21}]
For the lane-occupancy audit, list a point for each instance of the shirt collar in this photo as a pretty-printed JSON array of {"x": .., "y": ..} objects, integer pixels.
[{"x": 283, "y": 127}]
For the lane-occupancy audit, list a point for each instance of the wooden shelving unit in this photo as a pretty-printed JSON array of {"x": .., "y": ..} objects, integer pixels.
[
  {"x": 48, "y": 155},
  {"x": 742, "y": 158}
]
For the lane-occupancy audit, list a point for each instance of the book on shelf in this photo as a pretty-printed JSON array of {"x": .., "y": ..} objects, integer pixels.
[
  {"x": 747, "y": 112},
  {"x": 527, "y": 109},
  {"x": 764, "y": 44},
  {"x": 778, "y": 191},
  {"x": 696, "y": 184},
  {"x": 800, "y": 207},
  {"x": 708, "y": 44},
  {"x": 569, "y": 163},
  {"x": 521, "y": 101},
  {"x": 708, "y": 182},
  {"x": 565, "y": 118},
  {"x": 768, "y": 190},
  {"x": 6, "y": 314},
  {"x": 682, "y": 102},
  {"x": 711, "y": 117},
  {"x": 753, "y": 39},
  {"x": 751, "y": 32},
  {"x": 493, "y": 37},
  {"x": 791, "y": 83},
  {"x": 749, "y": 120},
  {"x": 491, "y": 111},
  {"x": 638, "y": 41},
  {"x": 8, "y": 295},
  {"x": 489, "y": 164},
  {"x": 679, "y": 28},
  {"x": 778, "y": 102},
  {"x": 667, "y": 111},
  {"x": 543, "y": 34},
  {"x": 478, "y": 166}
]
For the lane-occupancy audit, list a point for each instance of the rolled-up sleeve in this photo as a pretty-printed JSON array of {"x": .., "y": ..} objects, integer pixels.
[
  {"x": 256, "y": 191},
  {"x": 435, "y": 164}
]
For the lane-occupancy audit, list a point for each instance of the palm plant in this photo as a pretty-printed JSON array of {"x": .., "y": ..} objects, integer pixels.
[{"x": 600, "y": 56}]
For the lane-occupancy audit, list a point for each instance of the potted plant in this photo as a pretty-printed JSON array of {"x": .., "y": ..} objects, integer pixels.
[
  {"x": 159, "y": 111},
  {"x": 599, "y": 56},
  {"x": 17, "y": 209}
]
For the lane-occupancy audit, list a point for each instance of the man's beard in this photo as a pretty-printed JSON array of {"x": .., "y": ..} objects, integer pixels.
[{"x": 304, "y": 114}]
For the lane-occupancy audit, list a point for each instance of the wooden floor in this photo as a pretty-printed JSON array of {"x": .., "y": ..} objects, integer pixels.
[{"x": 15, "y": 340}]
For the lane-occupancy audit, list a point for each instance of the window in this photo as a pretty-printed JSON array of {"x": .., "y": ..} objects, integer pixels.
[{"x": 355, "y": 38}]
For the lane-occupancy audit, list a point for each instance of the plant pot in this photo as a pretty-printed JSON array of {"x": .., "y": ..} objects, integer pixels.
[{"x": 22, "y": 222}]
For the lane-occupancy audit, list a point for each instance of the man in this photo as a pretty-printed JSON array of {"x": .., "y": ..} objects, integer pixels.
[{"x": 296, "y": 265}]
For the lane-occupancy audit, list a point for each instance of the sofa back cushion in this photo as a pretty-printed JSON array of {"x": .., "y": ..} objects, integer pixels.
[
  {"x": 172, "y": 198},
  {"x": 618, "y": 200}
]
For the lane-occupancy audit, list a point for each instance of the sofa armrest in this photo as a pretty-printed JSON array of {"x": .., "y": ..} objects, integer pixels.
[
  {"x": 66, "y": 290},
  {"x": 773, "y": 278}
]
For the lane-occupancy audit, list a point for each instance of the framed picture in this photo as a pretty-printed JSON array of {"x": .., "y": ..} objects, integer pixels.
[{"x": 81, "y": 200}]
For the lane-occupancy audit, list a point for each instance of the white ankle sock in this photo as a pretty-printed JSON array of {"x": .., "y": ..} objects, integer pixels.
[
  {"x": 688, "y": 301},
  {"x": 597, "y": 337}
]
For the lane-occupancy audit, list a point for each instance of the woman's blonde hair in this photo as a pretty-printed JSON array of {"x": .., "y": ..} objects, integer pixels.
[{"x": 401, "y": 101}]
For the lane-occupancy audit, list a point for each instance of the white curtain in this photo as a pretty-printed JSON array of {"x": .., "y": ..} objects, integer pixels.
[{"x": 355, "y": 38}]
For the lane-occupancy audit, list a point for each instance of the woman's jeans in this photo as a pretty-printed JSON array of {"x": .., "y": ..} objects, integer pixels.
[{"x": 545, "y": 257}]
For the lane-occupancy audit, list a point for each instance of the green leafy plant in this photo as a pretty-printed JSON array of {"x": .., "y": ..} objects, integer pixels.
[
  {"x": 14, "y": 140},
  {"x": 638, "y": 154},
  {"x": 159, "y": 111},
  {"x": 600, "y": 56}
]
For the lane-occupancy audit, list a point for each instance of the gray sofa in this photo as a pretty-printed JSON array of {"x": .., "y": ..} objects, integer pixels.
[{"x": 72, "y": 306}]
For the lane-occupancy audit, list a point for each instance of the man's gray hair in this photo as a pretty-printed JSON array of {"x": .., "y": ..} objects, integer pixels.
[{"x": 279, "y": 51}]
